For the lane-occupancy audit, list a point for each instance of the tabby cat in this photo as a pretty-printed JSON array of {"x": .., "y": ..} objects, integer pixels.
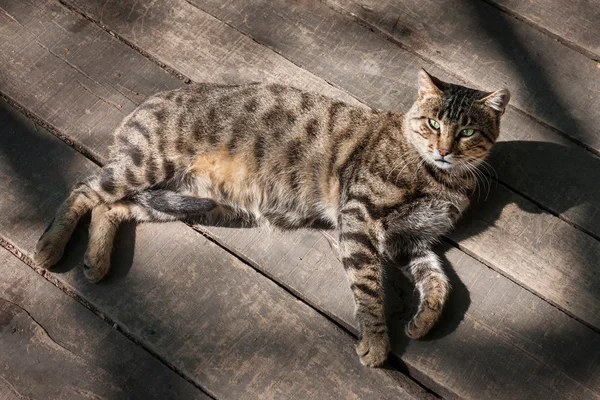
[{"x": 389, "y": 182}]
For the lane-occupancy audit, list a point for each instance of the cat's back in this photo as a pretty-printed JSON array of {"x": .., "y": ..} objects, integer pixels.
[{"x": 262, "y": 118}]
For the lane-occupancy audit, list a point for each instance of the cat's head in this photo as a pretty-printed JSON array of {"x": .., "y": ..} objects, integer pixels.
[{"x": 454, "y": 127}]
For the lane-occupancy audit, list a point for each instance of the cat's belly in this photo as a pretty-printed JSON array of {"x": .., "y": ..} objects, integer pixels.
[
  {"x": 228, "y": 180},
  {"x": 234, "y": 183}
]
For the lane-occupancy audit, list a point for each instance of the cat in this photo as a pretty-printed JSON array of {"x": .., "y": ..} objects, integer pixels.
[{"x": 391, "y": 183}]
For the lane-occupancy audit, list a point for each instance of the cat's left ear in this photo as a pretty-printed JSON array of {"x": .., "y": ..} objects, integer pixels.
[
  {"x": 428, "y": 85},
  {"x": 497, "y": 100}
]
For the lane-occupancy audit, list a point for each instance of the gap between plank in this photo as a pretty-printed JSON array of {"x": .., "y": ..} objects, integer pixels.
[
  {"x": 393, "y": 359},
  {"x": 5, "y": 243},
  {"x": 80, "y": 148},
  {"x": 96, "y": 159}
]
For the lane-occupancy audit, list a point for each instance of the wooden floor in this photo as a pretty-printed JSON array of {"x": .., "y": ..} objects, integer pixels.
[{"x": 223, "y": 313}]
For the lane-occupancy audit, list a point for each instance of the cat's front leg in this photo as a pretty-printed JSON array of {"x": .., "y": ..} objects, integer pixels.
[
  {"x": 426, "y": 272},
  {"x": 362, "y": 262}
]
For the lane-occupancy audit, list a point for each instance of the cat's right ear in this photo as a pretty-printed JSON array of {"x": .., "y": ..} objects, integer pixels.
[{"x": 428, "y": 85}]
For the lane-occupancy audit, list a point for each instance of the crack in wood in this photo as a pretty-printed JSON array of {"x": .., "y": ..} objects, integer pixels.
[
  {"x": 45, "y": 337},
  {"x": 14, "y": 390},
  {"x": 110, "y": 103}
]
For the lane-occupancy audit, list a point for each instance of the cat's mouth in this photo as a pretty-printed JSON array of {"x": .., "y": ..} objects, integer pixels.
[{"x": 442, "y": 164}]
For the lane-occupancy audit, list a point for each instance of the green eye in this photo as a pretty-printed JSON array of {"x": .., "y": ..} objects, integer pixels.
[
  {"x": 468, "y": 132},
  {"x": 434, "y": 124}
]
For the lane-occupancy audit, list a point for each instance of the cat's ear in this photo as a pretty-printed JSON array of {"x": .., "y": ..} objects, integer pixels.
[
  {"x": 497, "y": 100},
  {"x": 428, "y": 85}
]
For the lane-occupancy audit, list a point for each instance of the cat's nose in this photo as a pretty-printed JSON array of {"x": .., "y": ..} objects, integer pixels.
[{"x": 443, "y": 152}]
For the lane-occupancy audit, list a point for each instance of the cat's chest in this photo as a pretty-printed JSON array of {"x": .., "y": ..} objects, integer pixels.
[{"x": 426, "y": 216}]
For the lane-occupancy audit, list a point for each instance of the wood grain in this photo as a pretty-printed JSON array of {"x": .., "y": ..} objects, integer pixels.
[
  {"x": 576, "y": 24},
  {"x": 53, "y": 347},
  {"x": 221, "y": 324},
  {"x": 537, "y": 255}
]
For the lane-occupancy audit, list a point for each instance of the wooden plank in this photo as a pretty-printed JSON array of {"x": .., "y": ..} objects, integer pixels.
[
  {"x": 71, "y": 353},
  {"x": 484, "y": 46},
  {"x": 453, "y": 379},
  {"x": 288, "y": 27},
  {"x": 225, "y": 327},
  {"x": 576, "y": 24}
]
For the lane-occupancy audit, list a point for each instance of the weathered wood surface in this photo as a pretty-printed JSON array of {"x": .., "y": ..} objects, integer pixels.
[
  {"x": 577, "y": 23},
  {"x": 491, "y": 49},
  {"x": 577, "y": 262},
  {"x": 452, "y": 370},
  {"x": 450, "y": 374},
  {"x": 54, "y": 348},
  {"x": 7, "y": 392},
  {"x": 227, "y": 328}
]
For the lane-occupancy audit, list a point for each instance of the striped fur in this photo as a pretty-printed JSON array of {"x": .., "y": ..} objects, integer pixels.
[{"x": 281, "y": 156}]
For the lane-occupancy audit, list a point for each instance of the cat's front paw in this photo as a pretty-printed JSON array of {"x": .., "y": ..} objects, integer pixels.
[
  {"x": 414, "y": 331},
  {"x": 373, "y": 349},
  {"x": 423, "y": 321},
  {"x": 49, "y": 248}
]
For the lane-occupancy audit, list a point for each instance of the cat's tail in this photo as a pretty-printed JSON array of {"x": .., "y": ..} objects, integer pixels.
[
  {"x": 171, "y": 202},
  {"x": 433, "y": 286}
]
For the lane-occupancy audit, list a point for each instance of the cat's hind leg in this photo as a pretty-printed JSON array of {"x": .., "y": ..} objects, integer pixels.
[
  {"x": 104, "y": 225},
  {"x": 425, "y": 270},
  {"x": 147, "y": 206},
  {"x": 114, "y": 181}
]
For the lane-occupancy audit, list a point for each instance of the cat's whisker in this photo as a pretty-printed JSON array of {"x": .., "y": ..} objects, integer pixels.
[
  {"x": 483, "y": 177},
  {"x": 488, "y": 167},
  {"x": 487, "y": 179}
]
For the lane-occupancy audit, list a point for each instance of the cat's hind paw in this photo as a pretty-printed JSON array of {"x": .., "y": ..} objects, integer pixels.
[
  {"x": 373, "y": 349},
  {"x": 49, "y": 248},
  {"x": 96, "y": 263}
]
